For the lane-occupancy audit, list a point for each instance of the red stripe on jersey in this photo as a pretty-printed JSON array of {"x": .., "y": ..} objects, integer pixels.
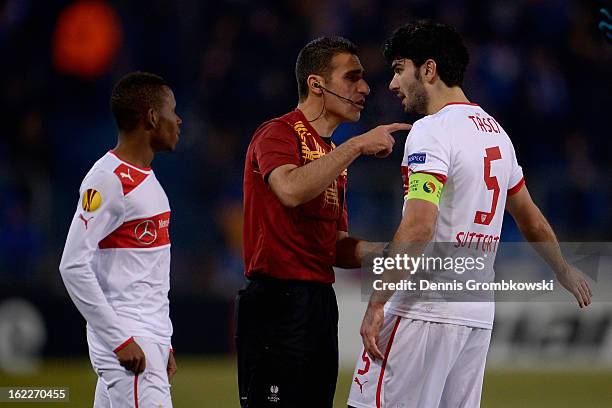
[
  {"x": 122, "y": 345},
  {"x": 516, "y": 188},
  {"x": 384, "y": 363},
  {"x": 143, "y": 233},
  {"x": 136, "y": 391},
  {"x": 129, "y": 177}
]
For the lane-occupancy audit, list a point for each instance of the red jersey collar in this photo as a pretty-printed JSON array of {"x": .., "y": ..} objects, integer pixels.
[{"x": 311, "y": 129}]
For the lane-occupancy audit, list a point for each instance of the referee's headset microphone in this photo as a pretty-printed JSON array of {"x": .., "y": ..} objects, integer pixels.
[{"x": 321, "y": 87}]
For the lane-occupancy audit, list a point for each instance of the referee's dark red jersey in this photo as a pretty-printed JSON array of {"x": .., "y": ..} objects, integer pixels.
[{"x": 290, "y": 243}]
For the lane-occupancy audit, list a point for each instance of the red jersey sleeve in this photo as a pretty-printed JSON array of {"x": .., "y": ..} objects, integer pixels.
[{"x": 276, "y": 145}]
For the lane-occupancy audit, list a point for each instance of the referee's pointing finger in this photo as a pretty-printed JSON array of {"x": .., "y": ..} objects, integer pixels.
[{"x": 394, "y": 127}]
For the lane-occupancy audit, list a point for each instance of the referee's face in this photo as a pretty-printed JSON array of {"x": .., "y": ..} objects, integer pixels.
[{"x": 346, "y": 79}]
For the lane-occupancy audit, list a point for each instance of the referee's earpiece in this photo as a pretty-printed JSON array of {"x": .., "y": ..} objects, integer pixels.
[{"x": 322, "y": 88}]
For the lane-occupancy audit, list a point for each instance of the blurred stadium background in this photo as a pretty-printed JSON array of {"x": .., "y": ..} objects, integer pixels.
[{"x": 541, "y": 67}]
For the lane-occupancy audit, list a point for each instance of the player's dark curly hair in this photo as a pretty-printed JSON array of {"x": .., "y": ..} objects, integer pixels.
[
  {"x": 315, "y": 58},
  {"x": 133, "y": 96},
  {"x": 423, "y": 40}
]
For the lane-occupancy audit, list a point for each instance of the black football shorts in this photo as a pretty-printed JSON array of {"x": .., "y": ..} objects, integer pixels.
[{"x": 287, "y": 344}]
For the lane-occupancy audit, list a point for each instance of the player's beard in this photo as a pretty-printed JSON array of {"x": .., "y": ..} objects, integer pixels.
[{"x": 418, "y": 99}]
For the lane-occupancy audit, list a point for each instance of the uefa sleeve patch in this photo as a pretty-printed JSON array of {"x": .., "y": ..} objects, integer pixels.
[
  {"x": 92, "y": 200},
  {"x": 417, "y": 158}
]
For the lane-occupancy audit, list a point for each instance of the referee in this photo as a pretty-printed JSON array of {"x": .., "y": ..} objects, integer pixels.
[{"x": 296, "y": 230}]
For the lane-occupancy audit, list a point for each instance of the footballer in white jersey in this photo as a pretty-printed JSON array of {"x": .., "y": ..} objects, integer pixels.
[
  {"x": 472, "y": 163},
  {"x": 116, "y": 261},
  {"x": 460, "y": 174}
]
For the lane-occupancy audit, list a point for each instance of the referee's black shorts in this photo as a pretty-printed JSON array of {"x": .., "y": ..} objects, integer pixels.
[{"x": 287, "y": 343}]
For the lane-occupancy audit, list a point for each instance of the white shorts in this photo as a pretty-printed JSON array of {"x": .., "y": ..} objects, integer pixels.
[
  {"x": 426, "y": 365},
  {"x": 120, "y": 388}
]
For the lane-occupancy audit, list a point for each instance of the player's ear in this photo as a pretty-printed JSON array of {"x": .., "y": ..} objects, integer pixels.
[
  {"x": 314, "y": 81},
  {"x": 151, "y": 119},
  {"x": 429, "y": 70}
]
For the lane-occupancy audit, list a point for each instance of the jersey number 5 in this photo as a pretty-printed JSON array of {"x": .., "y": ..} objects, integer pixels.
[
  {"x": 366, "y": 360},
  {"x": 483, "y": 217}
]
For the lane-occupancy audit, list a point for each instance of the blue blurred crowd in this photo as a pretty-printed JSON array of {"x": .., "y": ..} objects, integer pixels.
[{"x": 541, "y": 68}]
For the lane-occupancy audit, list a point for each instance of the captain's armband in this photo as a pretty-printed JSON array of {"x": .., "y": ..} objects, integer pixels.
[{"x": 424, "y": 186}]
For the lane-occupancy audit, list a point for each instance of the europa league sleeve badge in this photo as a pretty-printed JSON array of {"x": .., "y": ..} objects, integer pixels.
[{"x": 92, "y": 200}]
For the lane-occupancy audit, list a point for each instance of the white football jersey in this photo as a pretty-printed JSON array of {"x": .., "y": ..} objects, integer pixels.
[
  {"x": 116, "y": 261},
  {"x": 466, "y": 147}
]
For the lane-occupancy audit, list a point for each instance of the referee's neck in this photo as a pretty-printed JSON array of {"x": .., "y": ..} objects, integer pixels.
[{"x": 321, "y": 120}]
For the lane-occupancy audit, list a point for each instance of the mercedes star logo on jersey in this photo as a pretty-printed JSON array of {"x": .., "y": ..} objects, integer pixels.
[{"x": 146, "y": 232}]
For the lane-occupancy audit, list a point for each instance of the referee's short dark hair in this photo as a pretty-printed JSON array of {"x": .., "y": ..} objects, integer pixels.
[
  {"x": 422, "y": 40},
  {"x": 315, "y": 58},
  {"x": 133, "y": 95}
]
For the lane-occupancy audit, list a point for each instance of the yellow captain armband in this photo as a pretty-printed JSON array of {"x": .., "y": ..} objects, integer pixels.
[{"x": 425, "y": 187}]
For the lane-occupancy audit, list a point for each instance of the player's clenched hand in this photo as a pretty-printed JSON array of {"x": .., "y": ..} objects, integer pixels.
[
  {"x": 370, "y": 328},
  {"x": 171, "y": 369},
  {"x": 132, "y": 358},
  {"x": 574, "y": 281},
  {"x": 379, "y": 140}
]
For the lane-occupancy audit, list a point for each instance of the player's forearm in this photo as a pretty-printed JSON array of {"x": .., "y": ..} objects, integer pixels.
[
  {"x": 351, "y": 252},
  {"x": 367, "y": 249},
  {"x": 304, "y": 183},
  {"x": 86, "y": 294},
  {"x": 410, "y": 239},
  {"x": 540, "y": 234}
]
